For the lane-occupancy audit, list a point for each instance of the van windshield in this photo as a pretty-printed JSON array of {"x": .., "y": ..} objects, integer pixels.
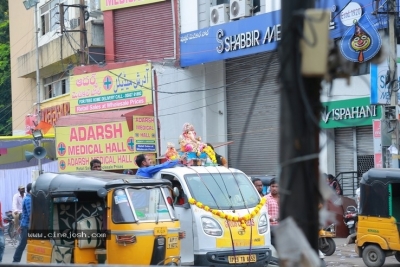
[
  {"x": 148, "y": 205},
  {"x": 223, "y": 190}
]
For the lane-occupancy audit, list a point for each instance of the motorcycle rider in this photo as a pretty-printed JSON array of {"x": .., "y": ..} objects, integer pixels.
[{"x": 17, "y": 204}]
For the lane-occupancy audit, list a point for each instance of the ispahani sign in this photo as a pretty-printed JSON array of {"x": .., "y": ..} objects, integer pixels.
[{"x": 349, "y": 113}]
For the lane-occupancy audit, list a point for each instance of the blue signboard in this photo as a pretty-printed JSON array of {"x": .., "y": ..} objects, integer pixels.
[
  {"x": 262, "y": 33},
  {"x": 145, "y": 148}
]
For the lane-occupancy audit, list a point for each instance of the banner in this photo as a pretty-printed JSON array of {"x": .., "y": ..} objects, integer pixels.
[
  {"x": 117, "y": 4},
  {"x": 377, "y": 136},
  {"x": 111, "y": 143},
  {"x": 112, "y": 89}
]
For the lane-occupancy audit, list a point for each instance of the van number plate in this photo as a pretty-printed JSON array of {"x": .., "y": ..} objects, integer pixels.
[
  {"x": 242, "y": 259},
  {"x": 172, "y": 242}
]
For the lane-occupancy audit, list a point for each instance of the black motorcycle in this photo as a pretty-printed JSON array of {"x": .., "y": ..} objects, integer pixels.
[{"x": 350, "y": 218}]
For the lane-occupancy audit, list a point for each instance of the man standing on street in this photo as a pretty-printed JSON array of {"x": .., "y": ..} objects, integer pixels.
[
  {"x": 259, "y": 186},
  {"x": 273, "y": 207},
  {"x": 17, "y": 203},
  {"x": 2, "y": 240},
  {"x": 24, "y": 225}
]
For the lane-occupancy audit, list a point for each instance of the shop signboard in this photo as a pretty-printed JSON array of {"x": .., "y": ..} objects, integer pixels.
[
  {"x": 117, "y": 4},
  {"x": 111, "y": 89},
  {"x": 111, "y": 143},
  {"x": 349, "y": 113},
  {"x": 261, "y": 33},
  {"x": 381, "y": 84},
  {"x": 377, "y": 136}
]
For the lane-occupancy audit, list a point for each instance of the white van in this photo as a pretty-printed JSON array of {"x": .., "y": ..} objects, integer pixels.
[{"x": 224, "y": 217}]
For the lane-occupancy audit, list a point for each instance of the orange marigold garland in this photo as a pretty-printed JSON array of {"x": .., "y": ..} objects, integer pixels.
[{"x": 234, "y": 218}]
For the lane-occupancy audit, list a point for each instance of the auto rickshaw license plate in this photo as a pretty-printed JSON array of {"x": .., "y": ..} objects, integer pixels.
[
  {"x": 242, "y": 259},
  {"x": 172, "y": 242},
  {"x": 160, "y": 230}
]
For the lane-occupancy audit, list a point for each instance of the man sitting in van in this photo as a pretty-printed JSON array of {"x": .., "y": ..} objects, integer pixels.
[{"x": 146, "y": 170}]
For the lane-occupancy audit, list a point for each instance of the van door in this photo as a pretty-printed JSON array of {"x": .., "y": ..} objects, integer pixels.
[{"x": 185, "y": 216}]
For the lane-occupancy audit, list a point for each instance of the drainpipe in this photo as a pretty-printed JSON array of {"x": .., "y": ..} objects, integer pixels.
[
  {"x": 155, "y": 110},
  {"x": 174, "y": 28}
]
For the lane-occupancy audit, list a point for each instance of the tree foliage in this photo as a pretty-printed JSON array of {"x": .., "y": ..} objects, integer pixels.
[{"x": 5, "y": 71}]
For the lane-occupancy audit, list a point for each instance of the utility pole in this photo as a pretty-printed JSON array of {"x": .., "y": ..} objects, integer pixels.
[
  {"x": 393, "y": 77},
  {"x": 299, "y": 143},
  {"x": 82, "y": 30},
  {"x": 40, "y": 168}
]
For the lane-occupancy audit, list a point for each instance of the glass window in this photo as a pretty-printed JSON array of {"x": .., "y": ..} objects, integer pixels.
[
  {"x": 149, "y": 204},
  {"x": 121, "y": 210},
  {"x": 223, "y": 190}
]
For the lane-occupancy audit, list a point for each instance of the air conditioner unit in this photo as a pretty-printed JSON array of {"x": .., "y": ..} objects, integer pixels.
[
  {"x": 94, "y": 8},
  {"x": 240, "y": 8},
  {"x": 75, "y": 22},
  {"x": 219, "y": 14},
  {"x": 267, "y": 6}
]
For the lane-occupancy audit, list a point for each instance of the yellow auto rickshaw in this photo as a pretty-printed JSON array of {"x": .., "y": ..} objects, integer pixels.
[
  {"x": 378, "y": 228},
  {"x": 102, "y": 217}
]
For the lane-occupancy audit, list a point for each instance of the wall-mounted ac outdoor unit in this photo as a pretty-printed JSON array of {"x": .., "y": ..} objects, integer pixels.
[
  {"x": 267, "y": 6},
  {"x": 240, "y": 8},
  {"x": 74, "y": 23},
  {"x": 219, "y": 14}
]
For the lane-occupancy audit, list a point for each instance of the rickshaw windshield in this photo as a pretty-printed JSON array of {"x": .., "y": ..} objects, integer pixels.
[
  {"x": 223, "y": 190},
  {"x": 141, "y": 204}
]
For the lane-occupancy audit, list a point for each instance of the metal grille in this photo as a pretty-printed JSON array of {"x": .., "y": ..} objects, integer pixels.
[
  {"x": 365, "y": 149},
  {"x": 344, "y": 150},
  {"x": 144, "y": 32},
  {"x": 253, "y": 113},
  {"x": 364, "y": 163}
]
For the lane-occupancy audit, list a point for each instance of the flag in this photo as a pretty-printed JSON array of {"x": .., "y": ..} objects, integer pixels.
[{"x": 44, "y": 127}]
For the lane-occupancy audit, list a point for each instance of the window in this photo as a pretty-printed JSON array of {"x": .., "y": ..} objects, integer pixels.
[
  {"x": 56, "y": 85},
  {"x": 50, "y": 17},
  {"x": 223, "y": 190}
]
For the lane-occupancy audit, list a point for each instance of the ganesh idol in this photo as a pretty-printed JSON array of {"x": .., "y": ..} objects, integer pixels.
[{"x": 188, "y": 140}]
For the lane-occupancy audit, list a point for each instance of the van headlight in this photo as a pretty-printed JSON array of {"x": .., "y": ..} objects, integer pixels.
[
  {"x": 211, "y": 226},
  {"x": 262, "y": 224}
]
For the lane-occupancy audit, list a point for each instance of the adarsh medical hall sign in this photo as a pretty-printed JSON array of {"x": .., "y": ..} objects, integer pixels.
[{"x": 112, "y": 143}]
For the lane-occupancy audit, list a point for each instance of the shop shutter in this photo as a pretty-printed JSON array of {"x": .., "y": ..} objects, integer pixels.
[
  {"x": 252, "y": 96},
  {"x": 144, "y": 32},
  {"x": 365, "y": 149},
  {"x": 344, "y": 150}
]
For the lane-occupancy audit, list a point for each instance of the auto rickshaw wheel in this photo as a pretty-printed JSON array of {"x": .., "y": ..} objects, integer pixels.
[
  {"x": 327, "y": 245},
  {"x": 397, "y": 256},
  {"x": 373, "y": 256}
]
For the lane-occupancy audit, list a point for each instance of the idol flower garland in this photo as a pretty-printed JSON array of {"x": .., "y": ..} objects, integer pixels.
[
  {"x": 229, "y": 217},
  {"x": 210, "y": 153}
]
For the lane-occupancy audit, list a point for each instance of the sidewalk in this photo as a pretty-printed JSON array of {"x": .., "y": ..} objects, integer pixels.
[{"x": 9, "y": 254}]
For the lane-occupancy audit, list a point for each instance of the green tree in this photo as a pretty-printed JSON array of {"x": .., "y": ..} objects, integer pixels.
[{"x": 5, "y": 71}]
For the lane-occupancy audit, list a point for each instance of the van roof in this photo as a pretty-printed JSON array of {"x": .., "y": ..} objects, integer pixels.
[
  {"x": 88, "y": 181},
  {"x": 182, "y": 170}
]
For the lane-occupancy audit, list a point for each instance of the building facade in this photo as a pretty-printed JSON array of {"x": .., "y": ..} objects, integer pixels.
[{"x": 212, "y": 63}]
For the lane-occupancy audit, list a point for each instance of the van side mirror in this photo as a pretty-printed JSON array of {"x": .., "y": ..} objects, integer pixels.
[{"x": 176, "y": 191}]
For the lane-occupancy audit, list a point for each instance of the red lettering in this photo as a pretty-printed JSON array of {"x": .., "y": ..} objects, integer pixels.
[
  {"x": 82, "y": 133},
  {"x": 108, "y": 131},
  {"x": 118, "y": 130},
  {"x": 72, "y": 135},
  {"x": 100, "y": 131},
  {"x": 91, "y": 134}
]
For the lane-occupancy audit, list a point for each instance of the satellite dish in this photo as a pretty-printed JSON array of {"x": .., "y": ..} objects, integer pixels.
[
  {"x": 235, "y": 8},
  {"x": 214, "y": 15}
]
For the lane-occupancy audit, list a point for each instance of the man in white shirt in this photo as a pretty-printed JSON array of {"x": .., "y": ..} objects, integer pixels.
[{"x": 17, "y": 203}]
